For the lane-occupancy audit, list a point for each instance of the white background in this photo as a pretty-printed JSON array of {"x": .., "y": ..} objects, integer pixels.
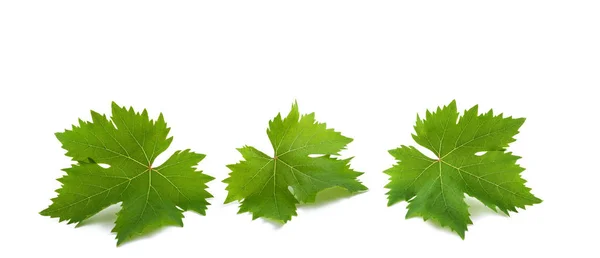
[{"x": 220, "y": 70}]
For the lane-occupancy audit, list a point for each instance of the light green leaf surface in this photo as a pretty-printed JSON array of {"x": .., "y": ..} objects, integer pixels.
[
  {"x": 151, "y": 196},
  {"x": 470, "y": 159},
  {"x": 271, "y": 187}
]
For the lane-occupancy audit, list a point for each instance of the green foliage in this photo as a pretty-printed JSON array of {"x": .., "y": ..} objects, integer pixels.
[
  {"x": 435, "y": 188},
  {"x": 152, "y": 197},
  {"x": 262, "y": 183}
]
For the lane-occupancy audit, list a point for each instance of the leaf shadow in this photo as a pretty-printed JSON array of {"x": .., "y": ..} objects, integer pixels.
[
  {"x": 477, "y": 210},
  {"x": 146, "y": 234},
  {"x": 105, "y": 218},
  {"x": 276, "y": 224},
  {"x": 328, "y": 196},
  {"x": 436, "y": 225},
  {"x": 323, "y": 198}
]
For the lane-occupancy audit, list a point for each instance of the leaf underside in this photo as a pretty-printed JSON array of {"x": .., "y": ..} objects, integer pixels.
[
  {"x": 271, "y": 187},
  {"x": 151, "y": 197},
  {"x": 435, "y": 188}
]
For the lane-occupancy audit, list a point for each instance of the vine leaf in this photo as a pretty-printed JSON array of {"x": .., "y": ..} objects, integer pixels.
[
  {"x": 436, "y": 188},
  {"x": 270, "y": 187},
  {"x": 151, "y": 196}
]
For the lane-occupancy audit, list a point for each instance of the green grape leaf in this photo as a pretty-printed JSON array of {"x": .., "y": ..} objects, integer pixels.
[
  {"x": 471, "y": 159},
  {"x": 151, "y": 196},
  {"x": 302, "y": 165}
]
